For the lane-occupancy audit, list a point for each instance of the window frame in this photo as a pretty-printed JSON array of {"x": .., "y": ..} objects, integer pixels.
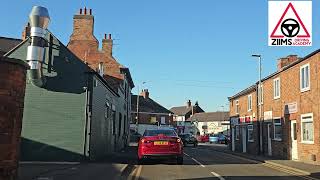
[
  {"x": 304, "y": 121},
  {"x": 250, "y": 129},
  {"x": 237, "y": 106},
  {"x": 275, "y": 96},
  {"x": 249, "y": 102},
  {"x": 303, "y": 89},
  {"x": 274, "y": 128}
]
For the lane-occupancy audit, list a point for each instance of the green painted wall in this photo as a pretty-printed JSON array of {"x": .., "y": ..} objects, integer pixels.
[{"x": 54, "y": 116}]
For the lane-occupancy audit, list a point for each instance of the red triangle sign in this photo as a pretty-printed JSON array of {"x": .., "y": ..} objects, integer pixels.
[{"x": 298, "y": 18}]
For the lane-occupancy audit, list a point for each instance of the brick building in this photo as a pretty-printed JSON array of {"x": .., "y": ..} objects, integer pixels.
[
  {"x": 150, "y": 112},
  {"x": 290, "y": 110},
  {"x": 182, "y": 113},
  {"x": 243, "y": 117}
]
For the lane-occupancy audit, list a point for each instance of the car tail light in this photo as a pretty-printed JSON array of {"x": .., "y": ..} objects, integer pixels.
[
  {"x": 143, "y": 140},
  {"x": 178, "y": 140}
]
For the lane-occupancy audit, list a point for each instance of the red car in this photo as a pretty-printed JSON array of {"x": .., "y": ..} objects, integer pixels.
[
  {"x": 160, "y": 143},
  {"x": 204, "y": 138}
]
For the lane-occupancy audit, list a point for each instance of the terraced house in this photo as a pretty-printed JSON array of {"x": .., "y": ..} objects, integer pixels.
[
  {"x": 290, "y": 111},
  {"x": 76, "y": 107}
]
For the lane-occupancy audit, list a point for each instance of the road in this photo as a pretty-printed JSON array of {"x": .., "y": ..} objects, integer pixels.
[{"x": 204, "y": 162}]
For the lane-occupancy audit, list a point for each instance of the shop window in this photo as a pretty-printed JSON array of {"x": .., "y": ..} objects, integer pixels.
[
  {"x": 237, "y": 133},
  {"x": 250, "y": 133},
  {"x": 277, "y": 129},
  {"x": 307, "y": 128}
]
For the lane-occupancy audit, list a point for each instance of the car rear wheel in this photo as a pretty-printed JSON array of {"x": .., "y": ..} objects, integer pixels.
[
  {"x": 140, "y": 161},
  {"x": 195, "y": 144},
  {"x": 180, "y": 160}
]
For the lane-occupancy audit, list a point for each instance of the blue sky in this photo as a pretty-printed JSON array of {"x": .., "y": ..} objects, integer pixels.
[{"x": 182, "y": 49}]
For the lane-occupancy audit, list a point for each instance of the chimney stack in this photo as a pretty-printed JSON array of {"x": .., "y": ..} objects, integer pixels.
[
  {"x": 107, "y": 44},
  {"x": 145, "y": 93},
  {"x": 188, "y": 103},
  {"x": 26, "y": 31},
  {"x": 82, "y": 40},
  {"x": 283, "y": 62}
]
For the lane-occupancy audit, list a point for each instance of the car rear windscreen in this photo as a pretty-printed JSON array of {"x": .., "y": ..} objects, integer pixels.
[{"x": 156, "y": 132}]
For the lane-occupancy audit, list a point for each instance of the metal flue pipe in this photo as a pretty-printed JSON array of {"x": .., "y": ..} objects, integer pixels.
[{"x": 39, "y": 20}]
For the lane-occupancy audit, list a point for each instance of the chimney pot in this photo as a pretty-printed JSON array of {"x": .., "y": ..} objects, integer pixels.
[
  {"x": 90, "y": 11},
  {"x": 105, "y": 36},
  {"x": 85, "y": 10},
  {"x": 80, "y": 12},
  {"x": 109, "y": 36},
  {"x": 189, "y": 103}
]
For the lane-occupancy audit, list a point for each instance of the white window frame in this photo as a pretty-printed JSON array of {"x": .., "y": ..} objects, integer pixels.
[
  {"x": 250, "y": 129},
  {"x": 274, "y": 128},
  {"x": 275, "y": 96},
  {"x": 307, "y": 120},
  {"x": 303, "y": 89},
  {"x": 237, "y": 106},
  {"x": 250, "y": 102}
]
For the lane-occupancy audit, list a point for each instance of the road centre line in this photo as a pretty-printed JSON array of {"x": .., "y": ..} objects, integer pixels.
[
  {"x": 213, "y": 173},
  {"x": 217, "y": 175}
]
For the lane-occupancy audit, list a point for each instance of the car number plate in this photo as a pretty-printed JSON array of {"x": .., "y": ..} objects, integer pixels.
[{"x": 161, "y": 143}]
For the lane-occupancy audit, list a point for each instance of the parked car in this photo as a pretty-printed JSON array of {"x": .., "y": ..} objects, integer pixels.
[
  {"x": 213, "y": 138},
  {"x": 188, "y": 139},
  {"x": 160, "y": 143},
  {"x": 204, "y": 138},
  {"x": 134, "y": 136}
]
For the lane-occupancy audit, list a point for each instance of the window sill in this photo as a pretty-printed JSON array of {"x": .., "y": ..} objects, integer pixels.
[
  {"x": 275, "y": 98},
  {"x": 249, "y": 110},
  {"x": 305, "y": 89},
  {"x": 277, "y": 139},
  {"x": 251, "y": 141},
  {"x": 307, "y": 142}
]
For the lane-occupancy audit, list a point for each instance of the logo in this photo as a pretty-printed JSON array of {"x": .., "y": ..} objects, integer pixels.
[{"x": 290, "y": 23}]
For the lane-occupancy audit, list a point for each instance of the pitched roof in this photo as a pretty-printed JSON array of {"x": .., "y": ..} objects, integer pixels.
[
  {"x": 6, "y": 44},
  {"x": 210, "y": 116},
  {"x": 183, "y": 110},
  {"x": 147, "y": 105}
]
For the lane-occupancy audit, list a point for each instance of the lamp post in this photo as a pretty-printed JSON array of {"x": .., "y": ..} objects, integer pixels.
[
  {"x": 259, "y": 99},
  {"x": 137, "y": 117}
]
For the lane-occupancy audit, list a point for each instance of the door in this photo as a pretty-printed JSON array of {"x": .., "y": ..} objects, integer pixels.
[
  {"x": 294, "y": 145},
  {"x": 233, "y": 138},
  {"x": 244, "y": 139},
  {"x": 269, "y": 140}
]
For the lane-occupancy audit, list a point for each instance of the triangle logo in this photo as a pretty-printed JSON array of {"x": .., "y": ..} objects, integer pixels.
[{"x": 290, "y": 27}]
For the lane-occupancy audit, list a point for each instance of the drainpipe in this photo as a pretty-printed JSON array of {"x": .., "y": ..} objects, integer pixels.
[{"x": 39, "y": 20}]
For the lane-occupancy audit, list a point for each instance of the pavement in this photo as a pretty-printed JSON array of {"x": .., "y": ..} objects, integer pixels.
[{"x": 116, "y": 166}]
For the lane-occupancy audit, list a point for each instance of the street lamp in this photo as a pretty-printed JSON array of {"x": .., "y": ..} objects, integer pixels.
[
  {"x": 138, "y": 95},
  {"x": 259, "y": 99}
]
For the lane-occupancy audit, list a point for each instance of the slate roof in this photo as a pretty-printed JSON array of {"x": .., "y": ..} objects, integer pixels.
[
  {"x": 147, "y": 105},
  {"x": 183, "y": 110},
  {"x": 6, "y": 44},
  {"x": 210, "y": 116}
]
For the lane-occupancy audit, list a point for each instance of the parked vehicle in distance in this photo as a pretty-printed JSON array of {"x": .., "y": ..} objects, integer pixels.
[
  {"x": 218, "y": 138},
  {"x": 134, "y": 136},
  {"x": 204, "y": 138},
  {"x": 188, "y": 139},
  {"x": 161, "y": 143},
  {"x": 213, "y": 138}
]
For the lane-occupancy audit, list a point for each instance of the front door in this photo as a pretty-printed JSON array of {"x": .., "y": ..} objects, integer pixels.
[
  {"x": 269, "y": 140},
  {"x": 244, "y": 139},
  {"x": 294, "y": 145}
]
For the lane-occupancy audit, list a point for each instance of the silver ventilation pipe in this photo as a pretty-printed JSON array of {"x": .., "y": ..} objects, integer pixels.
[{"x": 39, "y": 20}]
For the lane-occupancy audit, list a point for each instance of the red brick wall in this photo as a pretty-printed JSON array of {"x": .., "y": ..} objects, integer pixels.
[
  {"x": 12, "y": 91},
  {"x": 307, "y": 102}
]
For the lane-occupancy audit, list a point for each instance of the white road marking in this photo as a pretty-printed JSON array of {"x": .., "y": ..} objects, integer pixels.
[
  {"x": 123, "y": 168},
  {"x": 217, "y": 175},
  {"x": 137, "y": 176},
  {"x": 213, "y": 173}
]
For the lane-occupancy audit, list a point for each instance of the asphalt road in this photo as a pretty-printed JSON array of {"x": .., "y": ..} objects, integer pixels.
[{"x": 204, "y": 162}]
